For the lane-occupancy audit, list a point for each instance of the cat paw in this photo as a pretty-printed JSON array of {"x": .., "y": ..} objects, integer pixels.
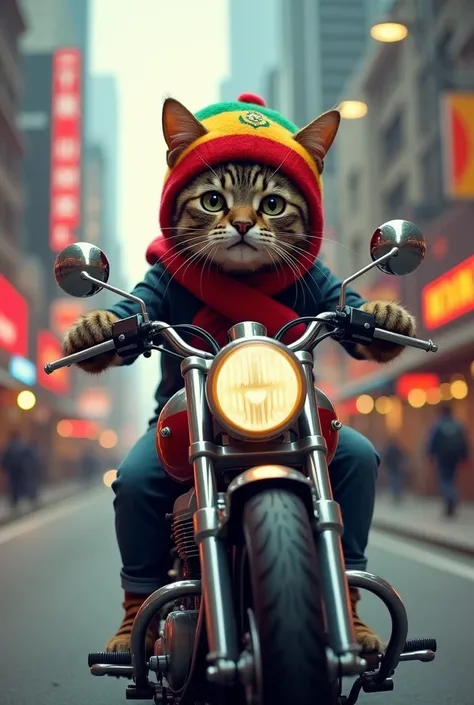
[
  {"x": 92, "y": 329},
  {"x": 390, "y": 316}
]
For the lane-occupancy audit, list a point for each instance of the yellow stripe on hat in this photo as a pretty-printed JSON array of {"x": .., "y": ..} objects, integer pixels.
[{"x": 250, "y": 123}]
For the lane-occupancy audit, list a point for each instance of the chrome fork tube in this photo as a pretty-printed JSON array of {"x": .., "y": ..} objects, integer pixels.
[
  {"x": 216, "y": 578},
  {"x": 335, "y": 590}
]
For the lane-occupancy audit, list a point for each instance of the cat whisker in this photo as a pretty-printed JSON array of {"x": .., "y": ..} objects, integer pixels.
[
  {"x": 195, "y": 257},
  {"x": 313, "y": 236},
  {"x": 170, "y": 257},
  {"x": 304, "y": 255},
  {"x": 293, "y": 262},
  {"x": 208, "y": 261},
  {"x": 280, "y": 165},
  {"x": 206, "y": 164}
]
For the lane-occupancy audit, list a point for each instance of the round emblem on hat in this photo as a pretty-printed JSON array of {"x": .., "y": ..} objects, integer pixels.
[{"x": 254, "y": 119}]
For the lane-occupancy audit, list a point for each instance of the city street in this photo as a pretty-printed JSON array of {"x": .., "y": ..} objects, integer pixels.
[{"x": 60, "y": 599}]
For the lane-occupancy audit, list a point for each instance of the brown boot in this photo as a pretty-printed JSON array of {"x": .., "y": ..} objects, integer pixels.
[
  {"x": 365, "y": 636},
  {"x": 121, "y": 640}
]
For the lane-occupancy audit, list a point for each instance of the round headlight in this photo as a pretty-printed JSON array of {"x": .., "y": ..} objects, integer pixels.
[{"x": 256, "y": 389}]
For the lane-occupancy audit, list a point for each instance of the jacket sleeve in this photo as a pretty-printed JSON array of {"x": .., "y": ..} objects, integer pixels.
[
  {"x": 152, "y": 290},
  {"x": 326, "y": 288}
]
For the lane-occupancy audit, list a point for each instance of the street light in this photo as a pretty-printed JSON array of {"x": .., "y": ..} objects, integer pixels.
[
  {"x": 389, "y": 32},
  {"x": 353, "y": 109}
]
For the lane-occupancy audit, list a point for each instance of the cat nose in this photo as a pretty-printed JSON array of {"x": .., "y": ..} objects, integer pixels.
[{"x": 242, "y": 226}]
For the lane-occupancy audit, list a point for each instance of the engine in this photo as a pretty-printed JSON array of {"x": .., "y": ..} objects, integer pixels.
[{"x": 183, "y": 534}]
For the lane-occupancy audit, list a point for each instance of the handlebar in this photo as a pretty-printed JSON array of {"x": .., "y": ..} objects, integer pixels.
[
  {"x": 306, "y": 342},
  {"x": 405, "y": 340}
]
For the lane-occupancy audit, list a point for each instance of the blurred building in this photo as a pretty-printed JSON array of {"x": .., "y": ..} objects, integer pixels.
[
  {"x": 17, "y": 293},
  {"x": 412, "y": 157},
  {"x": 253, "y": 45},
  {"x": 52, "y": 121},
  {"x": 321, "y": 41}
]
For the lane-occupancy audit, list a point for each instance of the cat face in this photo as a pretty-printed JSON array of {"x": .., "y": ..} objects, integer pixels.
[{"x": 242, "y": 218}]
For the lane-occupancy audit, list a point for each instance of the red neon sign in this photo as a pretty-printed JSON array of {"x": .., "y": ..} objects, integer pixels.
[
  {"x": 406, "y": 383},
  {"x": 13, "y": 320},
  {"x": 49, "y": 349},
  {"x": 449, "y": 296},
  {"x": 65, "y": 148}
]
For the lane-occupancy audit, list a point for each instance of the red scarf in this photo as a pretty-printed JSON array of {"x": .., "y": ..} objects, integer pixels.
[{"x": 228, "y": 300}]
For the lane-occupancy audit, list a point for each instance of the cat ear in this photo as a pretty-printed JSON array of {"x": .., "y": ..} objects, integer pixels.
[
  {"x": 318, "y": 136},
  {"x": 180, "y": 129}
]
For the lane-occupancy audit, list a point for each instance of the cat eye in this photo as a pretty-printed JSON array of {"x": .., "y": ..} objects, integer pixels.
[
  {"x": 273, "y": 205},
  {"x": 213, "y": 201}
]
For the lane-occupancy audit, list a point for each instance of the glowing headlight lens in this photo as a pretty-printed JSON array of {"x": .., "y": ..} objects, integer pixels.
[{"x": 256, "y": 389}]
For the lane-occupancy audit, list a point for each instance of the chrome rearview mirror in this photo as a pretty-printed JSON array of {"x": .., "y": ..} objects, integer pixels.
[
  {"x": 76, "y": 259},
  {"x": 407, "y": 238}
]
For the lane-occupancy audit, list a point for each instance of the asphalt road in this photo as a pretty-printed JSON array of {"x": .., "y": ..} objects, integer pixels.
[{"x": 60, "y": 599}]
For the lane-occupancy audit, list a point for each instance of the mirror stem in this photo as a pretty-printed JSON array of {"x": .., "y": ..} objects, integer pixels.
[
  {"x": 114, "y": 290},
  {"x": 342, "y": 298}
]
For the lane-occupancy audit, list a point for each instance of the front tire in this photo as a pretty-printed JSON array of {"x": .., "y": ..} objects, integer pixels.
[{"x": 286, "y": 601}]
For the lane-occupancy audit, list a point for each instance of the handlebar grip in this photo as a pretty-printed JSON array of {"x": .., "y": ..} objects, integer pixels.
[
  {"x": 75, "y": 358},
  {"x": 405, "y": 340}
]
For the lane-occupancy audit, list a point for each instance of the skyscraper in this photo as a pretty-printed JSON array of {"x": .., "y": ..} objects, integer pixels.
[
  {"x": 321, "y": 42},
  {"x": 253, "y": 46}
]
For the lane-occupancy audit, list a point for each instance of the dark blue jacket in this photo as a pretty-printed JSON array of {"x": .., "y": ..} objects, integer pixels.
[{"x": 166, "y": 300}]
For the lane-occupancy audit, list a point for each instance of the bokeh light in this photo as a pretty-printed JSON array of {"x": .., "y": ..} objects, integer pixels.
[
  {"x": 445, "y": 391},
  {"x": 109, "y": 477},
  {"x": 26, "y": 400},
  {"x": 364, "y": 404},
  {"x": 417, "y": 398},
  {"x": 383, "y": 405},
  {"x": 108, "y": 439},
  {"x": 459, "y": 389},
  {"x": 433, "y": 396},
  {"x": 64, "y": 428}
]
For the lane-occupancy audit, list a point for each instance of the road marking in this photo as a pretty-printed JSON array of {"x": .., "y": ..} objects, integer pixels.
[
  {"x": 45, "y": 516},
  {"x": 428, "y": 557}
]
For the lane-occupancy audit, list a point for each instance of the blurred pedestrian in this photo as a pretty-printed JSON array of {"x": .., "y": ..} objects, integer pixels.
[
  {"x": 447, "y": 448},
  {"x": 14, "y": 464},
  {"x": 395, "y": 462},
  {"x": 33, "y": 472}
]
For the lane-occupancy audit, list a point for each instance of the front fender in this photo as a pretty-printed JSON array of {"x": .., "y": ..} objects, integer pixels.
[{"x": 258, "y": 479}]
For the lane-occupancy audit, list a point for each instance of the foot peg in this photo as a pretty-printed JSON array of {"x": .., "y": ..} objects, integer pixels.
[
  {"x": 111, "y": 663},
  {"x": 420, "y": 645},
  {"x": 116, "y": 658}
]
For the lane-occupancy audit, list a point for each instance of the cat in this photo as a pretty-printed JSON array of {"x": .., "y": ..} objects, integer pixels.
[{"x": 243, "y": 218}]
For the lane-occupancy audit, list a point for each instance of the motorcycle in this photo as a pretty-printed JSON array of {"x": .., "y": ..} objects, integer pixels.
[{"x": 259, "y": 609}]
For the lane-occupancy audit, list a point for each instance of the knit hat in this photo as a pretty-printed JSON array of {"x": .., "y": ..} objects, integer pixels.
[{"x": 246, "y": 130}]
